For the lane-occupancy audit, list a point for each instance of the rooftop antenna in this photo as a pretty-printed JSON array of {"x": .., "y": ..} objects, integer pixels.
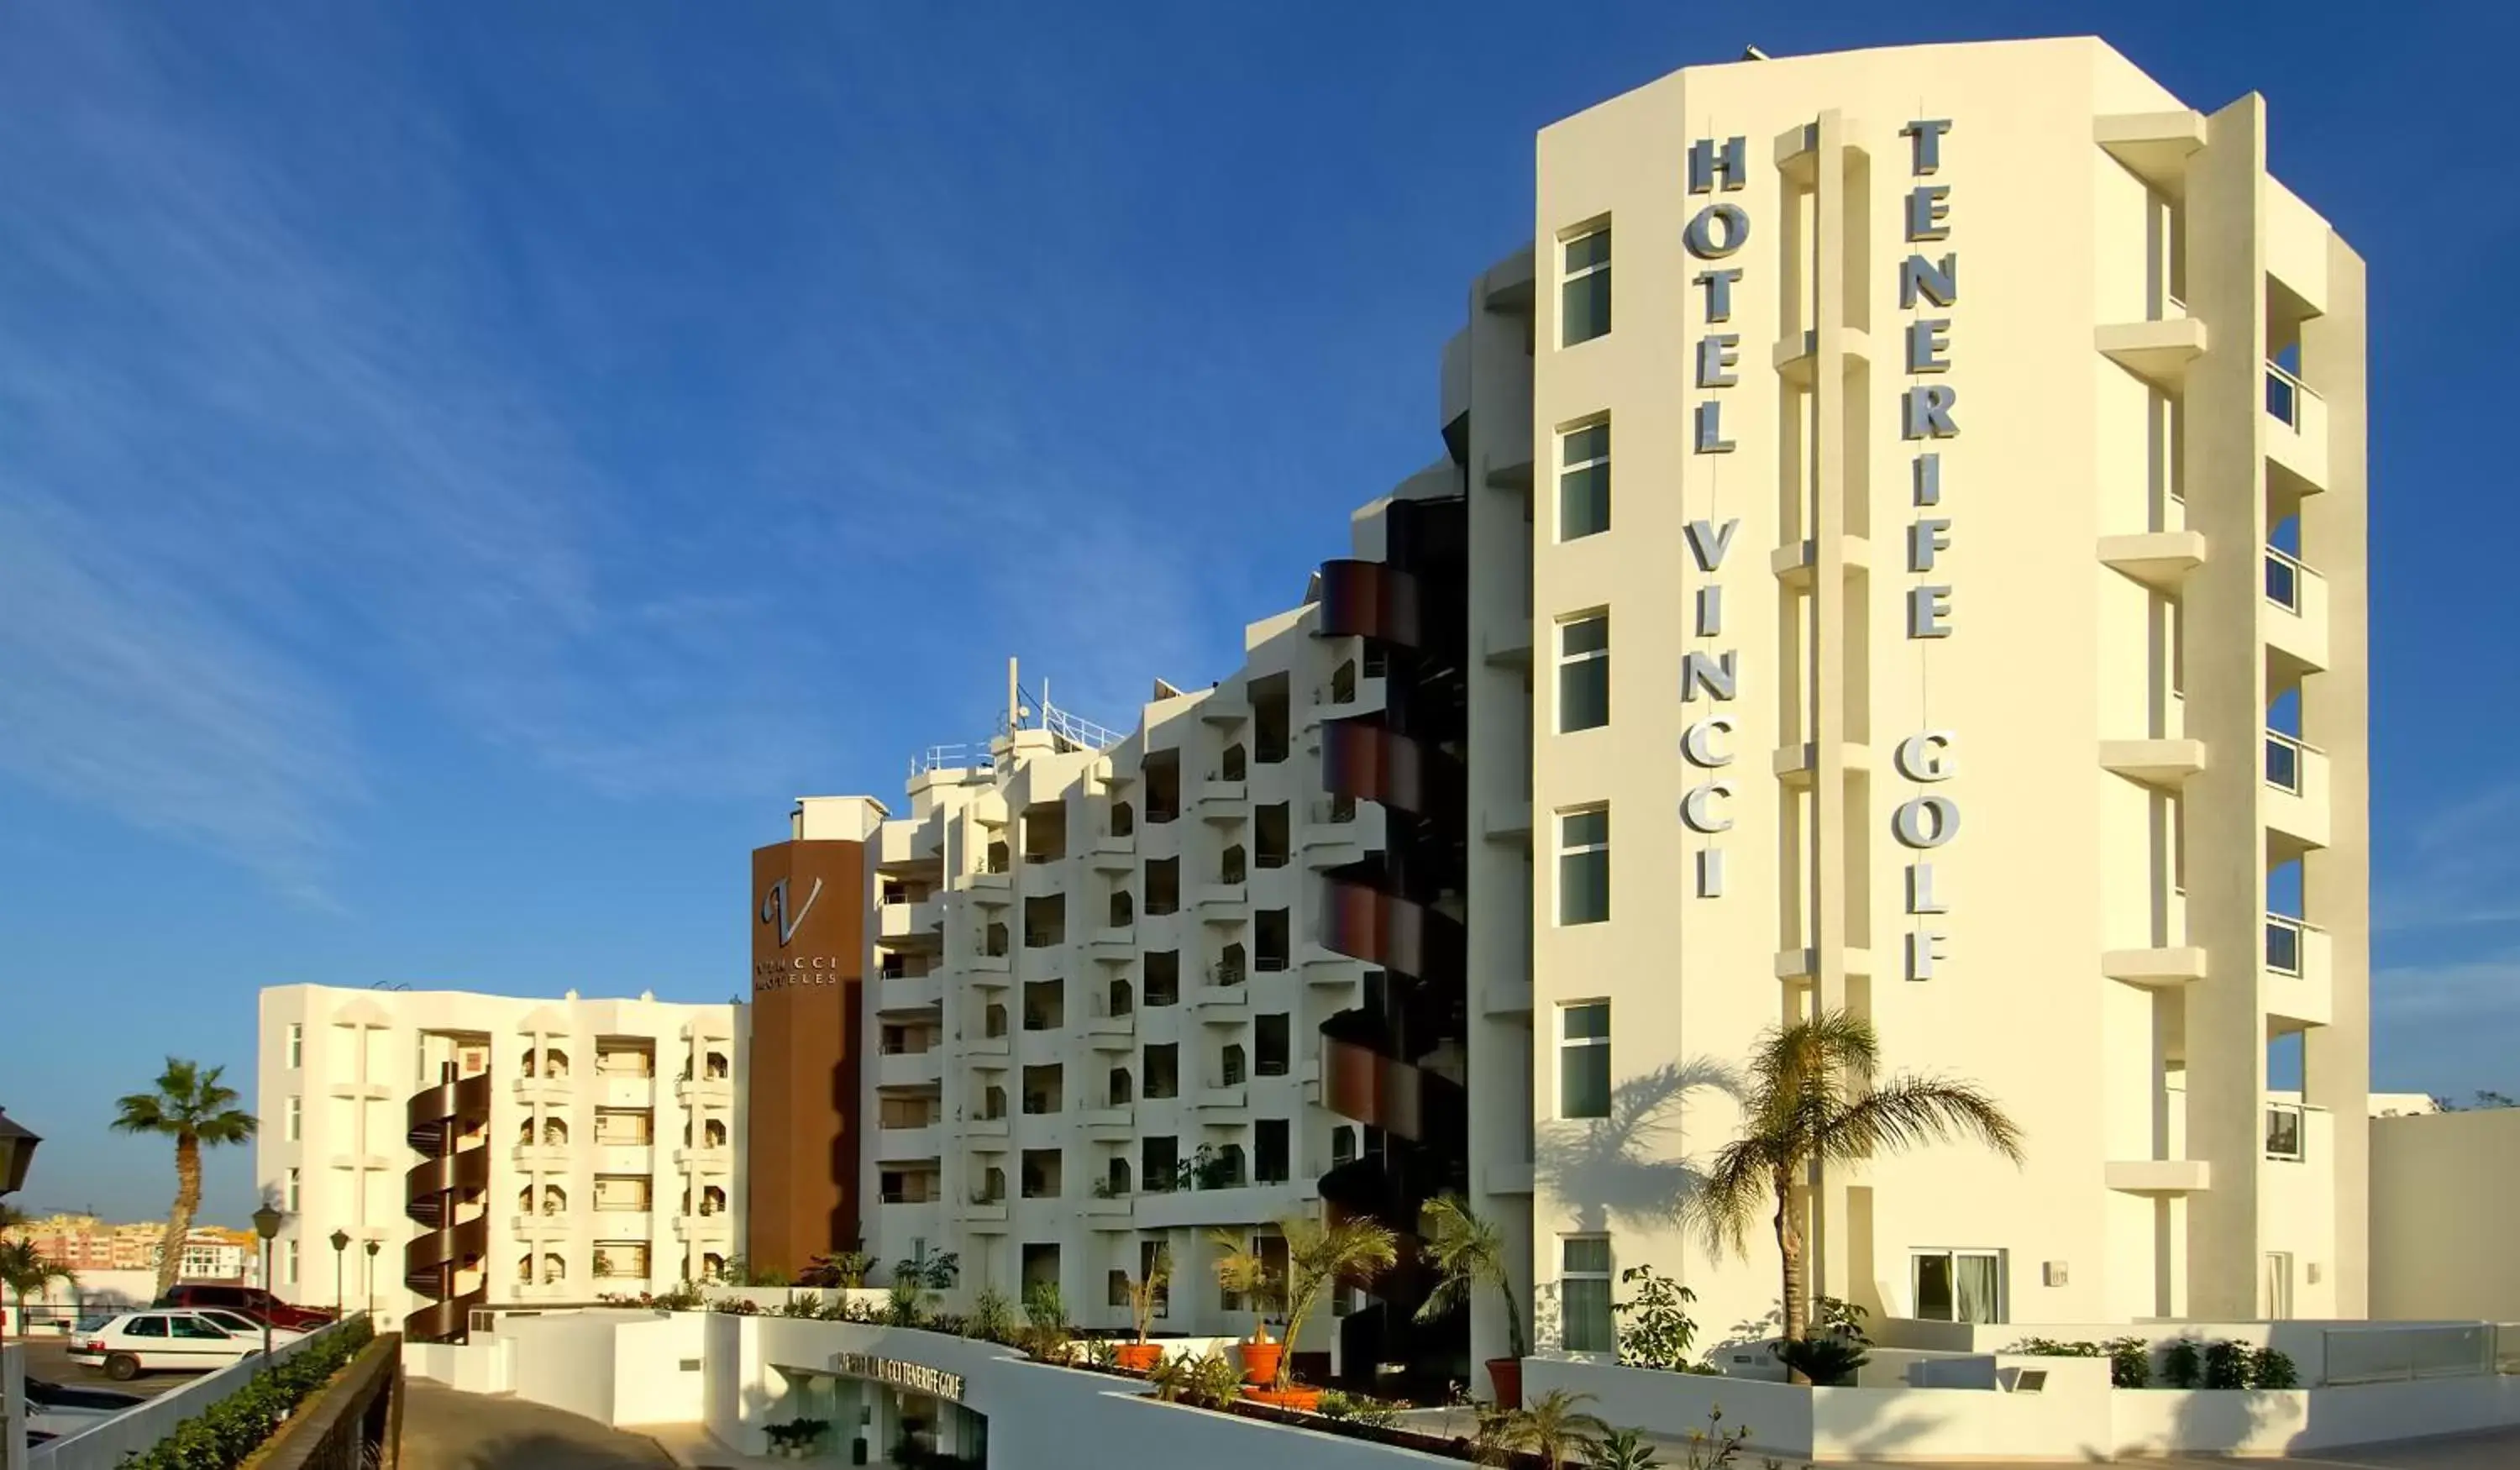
[
  {"x": 1014, "y": 703},
  {"x": 1753, "y": 54}
]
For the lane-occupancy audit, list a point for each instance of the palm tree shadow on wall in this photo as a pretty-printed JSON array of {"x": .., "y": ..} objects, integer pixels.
[{"x": 1628, "y": 1169}]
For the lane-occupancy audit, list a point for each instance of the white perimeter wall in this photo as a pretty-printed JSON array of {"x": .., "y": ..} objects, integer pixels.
[{"x": 2445, "y": 1189}]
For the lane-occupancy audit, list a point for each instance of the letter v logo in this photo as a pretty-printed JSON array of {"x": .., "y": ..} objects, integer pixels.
[{"x": 774, "y": 909}]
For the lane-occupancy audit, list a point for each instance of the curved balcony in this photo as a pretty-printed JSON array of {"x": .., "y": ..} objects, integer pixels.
[
  {"x": 1365, "y": 923},
  {"x": 438, "y": 1121},
  {"x": 456, "y": 1171},
  {"x": 1363, "y": 758},
  {"x": 461, "y": 1246},
  {"x": 1371, "y": 600},
  {"x": 465, "y": 1101},
  {"x": 1382, "y": 1091},
  {"x": 443, "y": 1321}
]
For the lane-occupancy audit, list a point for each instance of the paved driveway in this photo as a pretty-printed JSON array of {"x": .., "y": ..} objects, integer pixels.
[
  {"x": 2496, "y": 1449},
  {"x": 445, "y": 1430}
]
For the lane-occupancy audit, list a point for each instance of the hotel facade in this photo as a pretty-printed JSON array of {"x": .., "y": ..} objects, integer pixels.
[
  {"x": 1897, "y": 546},
  {"x": 1894, "y": 543}
]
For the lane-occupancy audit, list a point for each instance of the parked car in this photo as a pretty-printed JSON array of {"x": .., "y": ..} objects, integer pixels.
[
  {"x": 56, "y": 1411},
  {"x": 149, "y": 1342},
  {"x": 238, "y": 1323},
  {"x": 246, "y": 1301}
]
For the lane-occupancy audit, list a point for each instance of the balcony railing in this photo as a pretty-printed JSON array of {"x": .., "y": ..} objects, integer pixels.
[
  {"x": 2284, "y": 574},
  {"x": 2284, "y": 1131},
  {"x": 2284, "y": 761},
  {"x": 2284, "y": 394},
  {"x": 2284, "y": 944}
]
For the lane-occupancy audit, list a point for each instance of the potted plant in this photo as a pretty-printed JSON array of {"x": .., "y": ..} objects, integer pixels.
[
  {"x": 1319, "y": 1257},
  {"x": 1467, "y": 1252},
  {"x": 1144, "y": 1294},
  {"x": 795, "y": 1440}
]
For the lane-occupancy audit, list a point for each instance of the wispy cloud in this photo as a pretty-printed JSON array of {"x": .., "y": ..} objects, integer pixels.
[{"x": 2458, "y": 869}]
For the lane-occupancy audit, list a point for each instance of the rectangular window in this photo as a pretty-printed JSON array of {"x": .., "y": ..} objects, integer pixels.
[
  {"x": 1584, "y": 1295},
  {"x": 1158, "y": 1165},
  {"x": 1584, "y": 867},
  {"x": 1584, "y": 298},
  {"x": 1269, "y": 1035},
  {"x": 1959, "y": 1286},
  {"x": 291, "y": 1205},
  {"x": 1584, "y": 672},
  {"x": 1583, "y": 481},
  {"x": 289, "y": 1265},
  {"x": 296, "y": 1045},
  {"x": 1268, "y": 1161},
  {"x": 1584, "y": 1060},
  {"x": 293, "y": 1121}
]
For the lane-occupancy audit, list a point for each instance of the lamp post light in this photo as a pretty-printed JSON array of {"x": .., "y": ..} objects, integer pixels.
[
  {"x": 16, "y": 1155},
  {"x": 372, "y": 1277},
  {"x": 341, "y": 1243},
  {"x": 266, "y": 1224}
]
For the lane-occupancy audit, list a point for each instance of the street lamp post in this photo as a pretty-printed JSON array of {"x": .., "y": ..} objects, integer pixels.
[
  {"x": 16, "y": 1155},
  {"x": 372, "y": 1278},
  {"x": 266, "y": 1224},
  {"x": 341, "y": 1243}
]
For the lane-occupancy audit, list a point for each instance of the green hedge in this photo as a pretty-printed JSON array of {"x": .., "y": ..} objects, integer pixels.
[{"x": 220, "y": 1436}]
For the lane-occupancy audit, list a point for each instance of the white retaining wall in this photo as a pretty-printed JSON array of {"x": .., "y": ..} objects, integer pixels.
[{"x": 13, "y": 1406}]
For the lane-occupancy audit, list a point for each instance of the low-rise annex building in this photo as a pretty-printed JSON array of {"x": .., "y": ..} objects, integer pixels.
[{"x": 497, "y": 1149}]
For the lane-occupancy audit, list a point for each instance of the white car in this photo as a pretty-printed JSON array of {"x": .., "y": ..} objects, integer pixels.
[
  {"x": 246, "y": 1327},
  {"x": 147, "y": 1342}
]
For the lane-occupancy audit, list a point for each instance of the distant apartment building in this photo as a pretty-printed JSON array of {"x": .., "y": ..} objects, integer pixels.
[
  {"x": 498, "y": 1149},
  {"x": 1896, "y": 545},
  {"x": 84, "y": 1244}
]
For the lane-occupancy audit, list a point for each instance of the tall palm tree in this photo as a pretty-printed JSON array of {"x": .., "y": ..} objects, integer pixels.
[
  {"x": 1319, "y": 1257},
  {"x": 26, "y": 1272},
  {"x": 191, "y": 1107},
  {"x": 1815, "y": 1095}
]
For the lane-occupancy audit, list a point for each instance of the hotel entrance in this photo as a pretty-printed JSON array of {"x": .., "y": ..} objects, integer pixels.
[{"x": 876, "y": 1412}]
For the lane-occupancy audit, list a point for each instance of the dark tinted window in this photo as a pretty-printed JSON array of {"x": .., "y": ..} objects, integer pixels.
[
  {"x": 145, "y": 1326},
  {"x": 195, "y": 1327}
]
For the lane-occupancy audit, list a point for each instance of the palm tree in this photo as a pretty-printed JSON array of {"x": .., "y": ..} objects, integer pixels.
[
  {"x": 27, "y": 1272},
  {"x": 191, "y": 1107},
  {"x": 1319, "y": 1257},
  {"x": 1466, "y": 1251},
  {"x": 1554, "y": 1428},
  {"x": 1815, "y": 1095}
]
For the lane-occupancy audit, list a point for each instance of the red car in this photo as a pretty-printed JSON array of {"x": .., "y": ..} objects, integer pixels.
[{"x": 249, "y": 1301}]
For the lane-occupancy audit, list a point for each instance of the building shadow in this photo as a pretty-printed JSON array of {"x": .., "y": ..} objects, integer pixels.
[{"x": 539, "y": 1451}]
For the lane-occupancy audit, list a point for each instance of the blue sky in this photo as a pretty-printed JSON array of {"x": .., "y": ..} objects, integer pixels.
[{"x": 462, "y": 469}]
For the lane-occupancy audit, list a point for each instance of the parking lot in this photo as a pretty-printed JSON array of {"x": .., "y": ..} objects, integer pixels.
[{"x": 48, "y": 1359}]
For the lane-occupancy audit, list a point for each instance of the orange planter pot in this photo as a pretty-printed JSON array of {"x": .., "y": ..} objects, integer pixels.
[
  {"x": 1306, "y": 1400},
  {"x": 1260, "y": 1362},
  {"x": 1506, "y": 1373},
  {"x": 1139, "y": 1357}
]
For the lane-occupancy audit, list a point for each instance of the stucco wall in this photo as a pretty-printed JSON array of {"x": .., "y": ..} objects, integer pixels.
[{"x": 2445, "y": 1187}]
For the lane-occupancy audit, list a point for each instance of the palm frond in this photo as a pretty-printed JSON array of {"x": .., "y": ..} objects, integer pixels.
[
  {"x": 1907, "y": 1111},
  {"x": 1730, "y": 1191}
]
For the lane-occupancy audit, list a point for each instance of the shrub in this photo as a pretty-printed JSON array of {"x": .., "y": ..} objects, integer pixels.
[
  {"x": 1046, "y": 1326},
  {"x": 1827, "y": 1361},
  {"x": 796, "y": 1306},
  {"x": 1336, "y": 1407},
  {"x": 1214, "y": 1381},
  {"x": 909, "y": 1295},
  {"x": 1655, "y": 1329},
  {"x": 1839, "y": 1317},
  {"x": 1626, "y": 1450},
  {"x": 2182, "y": 1365},
  {"x": 2130, "y": 1362},
  {"x": 229, "y": 1431},
  {"x": 992, "y": 1318},
  {"x": 2270, "y": 1369},
  {"x": 2226, "y": 1365}
]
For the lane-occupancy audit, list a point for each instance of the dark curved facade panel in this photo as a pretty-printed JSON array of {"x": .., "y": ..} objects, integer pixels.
[
  {"x": 1368, "y": 760},
  {"x": 1381, "y": 928},
  {"x": 1371, "y": 599}
]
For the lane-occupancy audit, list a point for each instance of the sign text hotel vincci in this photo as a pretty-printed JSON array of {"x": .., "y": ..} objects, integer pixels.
[{"x": 1715, "y": 234}]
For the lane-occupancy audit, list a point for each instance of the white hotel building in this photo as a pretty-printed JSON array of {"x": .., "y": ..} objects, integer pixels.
[
  {"x": 1898, "y": 545},
  {"x": 498, "y": 1149}
]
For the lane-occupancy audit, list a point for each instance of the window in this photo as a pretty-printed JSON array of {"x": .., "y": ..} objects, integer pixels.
[
  {"x": 1584, "y": 1060},
  {"x": 2283, "y": 1131},
  {"x": 2280, "y": 1286},
  {"x": 292, "y": 1203},
  {"x": 1584, "y": 867},
  {"x": 1959, "y": 1286},
  {"x": 1583, "y": 300},
  {"x": 1584, "y": 673},
  {"x": 145, "y": 1326},
  {"x": 289, "y": 1265},
  {"x": 292, "y": 1126},
  {"x": 1269, "y": 1162},
  {"x": 296, "y": 1045},
  {"x": 1583, "y": 481},
  {"x": 1159, "y": 1164},
  {"x": 1584, "y": 1295},
  {"x": 195, "y": 1327},
  {"x": 1269, "y": 1042}
]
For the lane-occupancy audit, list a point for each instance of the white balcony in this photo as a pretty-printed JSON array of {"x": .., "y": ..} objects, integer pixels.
[
  {"x": 1248, "y": 1204},
  {"x": 1116, "y": 854},
  {"x": 705, "y": 1091},
  {"x": 2296, "y": 428},
  {"x": 542, "y": 1156},
  {"x": 705, "y": 1160},
  {"x": 2164, "y": 765},
  {"x": 2296, "y": 613},
  {"x": 620, "y": 1225},
  {"x": 907, "y": 1145},
  {"x": 2157, "y": 351},
  {"x": 542, "y": 1088},
  {"x": 1106, "y": 1212},
  {"x": 986, "y": 1051},
  {"x": 1108, "y": 1033},
  {"x": 1109, "y": 1125},
  {"x": 909, "y": 1069},
  {"x": 900, "y": 922},
  {"x": 2297, "y": 808},
  {"x": 1220, "y": 903},
  {"x": 985, "y": 1218},
  {"x": 985, "y": 966},
  {"x": 2159, "y": 560},
  {"x": 2157, "y": 1176},
  {"x": 1215, "y": 800},
  {"x": 2164, "y": 968},
  {"x": 1220, "y": 1005},
  {"x": 538, "y": 1225},
  {"x": 2297, "y": 972},
  {"x": 623, "y": 1090},
  {"x": 993, "y": 890},
  {"x": 718, "y": 1225},
  {"x": 1222, "y": 1098},
  {"x": 904, "y": 993},
  {"x": 1113, "y": 946}
]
